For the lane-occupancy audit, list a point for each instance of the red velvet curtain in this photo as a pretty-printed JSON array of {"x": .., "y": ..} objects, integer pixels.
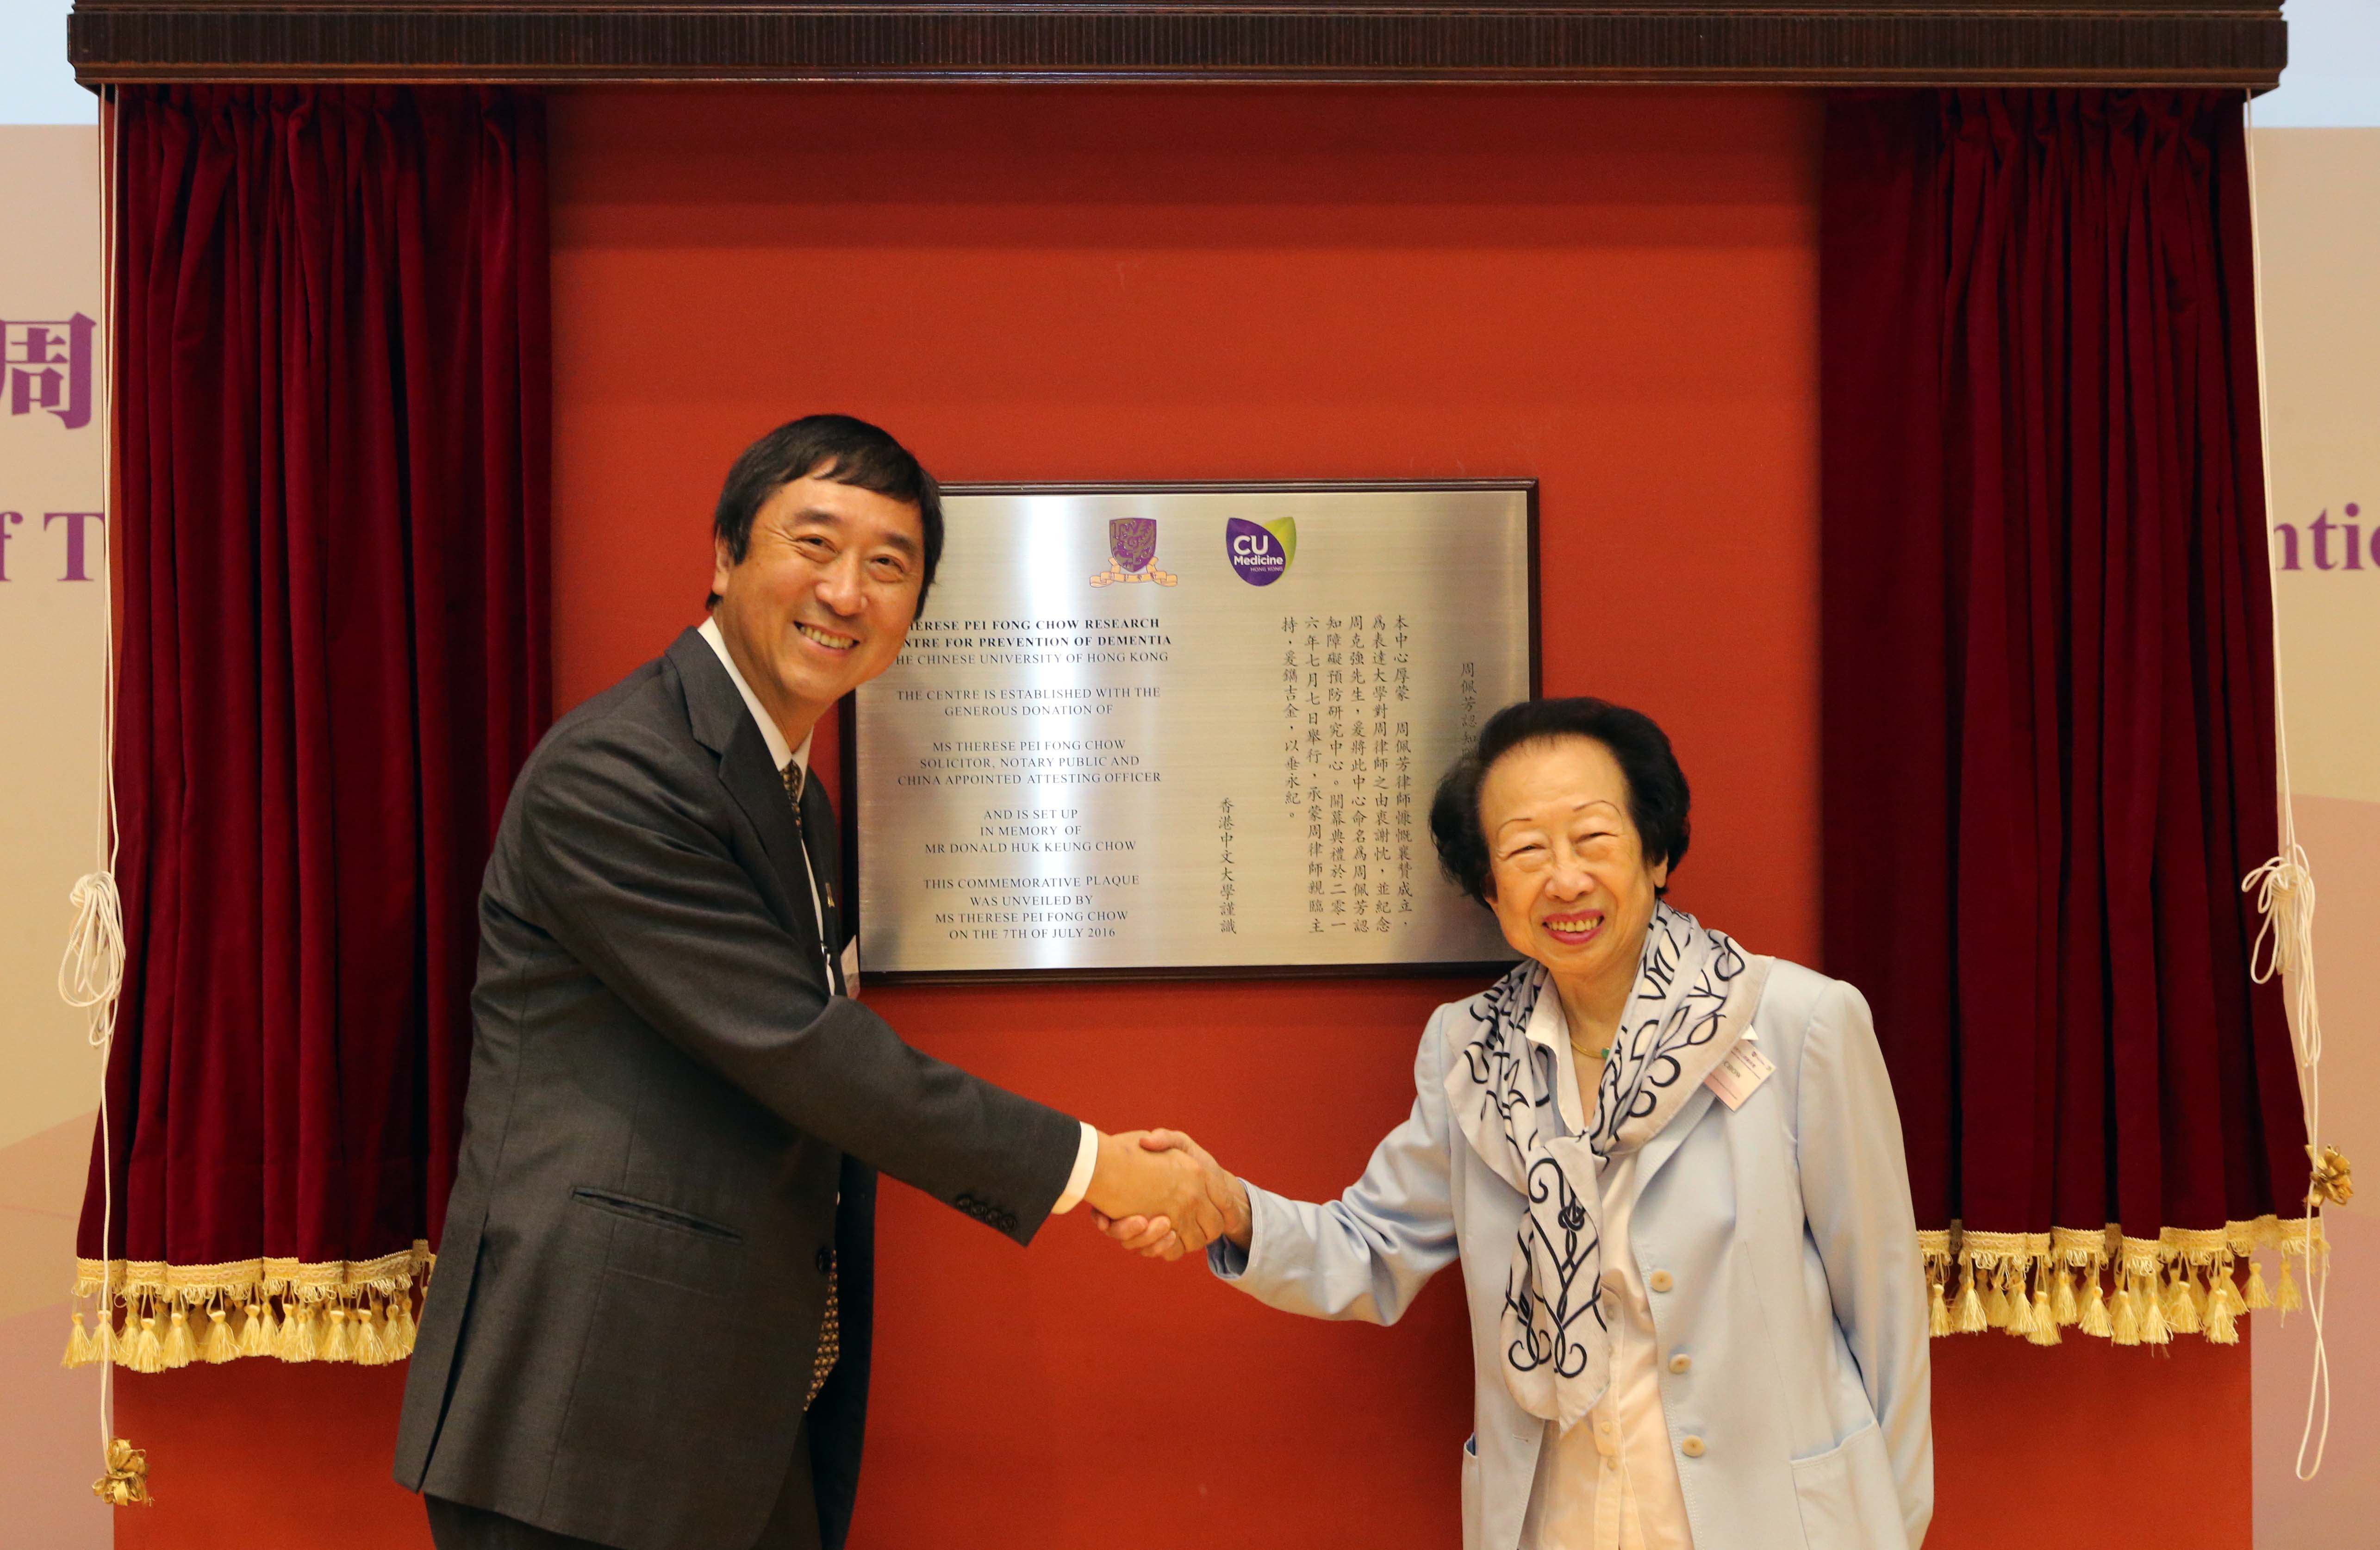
[
  {"x": 2048, "y": 692},
  {"x": 330, "y": 567}
]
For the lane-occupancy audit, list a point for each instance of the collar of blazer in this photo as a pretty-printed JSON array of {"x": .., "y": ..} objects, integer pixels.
[{"x": 721, "y": 722}]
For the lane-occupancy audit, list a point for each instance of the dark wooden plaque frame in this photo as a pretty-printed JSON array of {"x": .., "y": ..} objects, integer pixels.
[
  {"x": 1850, "y": 42},
  {"x": 847, "y": 726}
]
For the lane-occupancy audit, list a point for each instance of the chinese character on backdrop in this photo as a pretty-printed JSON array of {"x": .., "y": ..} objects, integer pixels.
[{"x": 48, "y": 367}]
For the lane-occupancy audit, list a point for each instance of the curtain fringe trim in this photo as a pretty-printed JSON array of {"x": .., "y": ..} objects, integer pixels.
[
  {"x": 2134, "y": 1291},
  {"x": 152, "y": 1316}
]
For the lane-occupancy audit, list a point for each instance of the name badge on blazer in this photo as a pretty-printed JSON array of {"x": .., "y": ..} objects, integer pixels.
[{"x": 1740, "y": 1075}]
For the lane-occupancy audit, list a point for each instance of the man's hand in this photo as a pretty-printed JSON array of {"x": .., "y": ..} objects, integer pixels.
[{"x": 1220, "y": 1210}]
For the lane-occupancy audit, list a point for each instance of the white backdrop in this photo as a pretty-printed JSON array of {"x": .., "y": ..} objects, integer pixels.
[
  {"x": 50, "y": 726},
  {"x": 2320, "y": 196}
]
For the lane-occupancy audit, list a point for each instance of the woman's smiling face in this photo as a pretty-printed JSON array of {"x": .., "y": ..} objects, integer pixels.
[{"x": 1566, "y": 869}]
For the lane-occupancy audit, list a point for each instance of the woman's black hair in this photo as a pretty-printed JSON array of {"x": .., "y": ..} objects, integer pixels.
[
  {"x": 833, "y": 447},
  {"x": 1657, "y": 799}
]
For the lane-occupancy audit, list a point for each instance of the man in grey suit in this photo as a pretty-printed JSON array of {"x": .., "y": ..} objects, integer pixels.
[{"x": 649, "y": 1325}]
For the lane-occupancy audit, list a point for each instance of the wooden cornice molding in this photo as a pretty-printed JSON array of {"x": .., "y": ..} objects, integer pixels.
[{"x": 1930, "y": 42}]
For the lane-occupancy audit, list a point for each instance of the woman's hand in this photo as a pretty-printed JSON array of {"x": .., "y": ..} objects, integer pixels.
[{"x": 1153, "y": 1237}]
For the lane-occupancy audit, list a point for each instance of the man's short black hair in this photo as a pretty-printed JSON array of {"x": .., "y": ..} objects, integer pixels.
[
  {"x": 1657, "y": 799},
  {"x": 834, "y": 447}
]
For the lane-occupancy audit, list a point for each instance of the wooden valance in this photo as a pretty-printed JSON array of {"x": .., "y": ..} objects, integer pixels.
[{"x": 1907, "y": 43}]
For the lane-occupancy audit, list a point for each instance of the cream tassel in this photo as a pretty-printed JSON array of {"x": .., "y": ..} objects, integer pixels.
[
  {"x": 2180, "y": 1307},
  {"x": 82, "y": 1350},
  {"x": 2095, "y": 1308},
  {"x": 2155, "y": 1328},
  {"x": 2020, "y": 1307},
  {"x": 1996, "y": 1308},
  {"x": 336, "y": 1348},
  {"x": 218, "y": 1347},
  {"x": 256, "y": 1329},
  {"x": 180, "y": 1348},
  {"x": 371, "y": 1350},
  {"x": 147, "y": 1352},
  {"x": 2223, "y": 1308},
  {"x": 1971, "y": 1319},
  {"x": 2257, "y": 1296},
  {"x": 2127, "y": 1323},
  {"x": 1938, "y": 1317},
  {"x": 2289, "y": 1299},
  {"x": 2061, "y": 1304},
  {"x": 2045, "y": 1319},
  {"x": 401, "y": 1331},
  {"x": 298, "y": 1343}
]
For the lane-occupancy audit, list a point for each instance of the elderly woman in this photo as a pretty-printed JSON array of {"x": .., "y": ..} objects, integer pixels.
[{"x": 1672, "y": 1170}]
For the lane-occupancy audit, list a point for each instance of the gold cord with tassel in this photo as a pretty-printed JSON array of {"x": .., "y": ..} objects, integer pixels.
[{"x": 126, "y": 1483}]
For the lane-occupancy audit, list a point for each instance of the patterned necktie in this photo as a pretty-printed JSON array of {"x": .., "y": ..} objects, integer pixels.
[{"x": 830, "y": 1344}]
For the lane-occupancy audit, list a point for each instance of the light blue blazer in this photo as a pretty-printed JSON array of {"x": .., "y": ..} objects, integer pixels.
[{"x": 1795, "y": 1285}]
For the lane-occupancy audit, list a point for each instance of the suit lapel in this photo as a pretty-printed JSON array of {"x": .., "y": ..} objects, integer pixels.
[{"x": 723, "y": 724}]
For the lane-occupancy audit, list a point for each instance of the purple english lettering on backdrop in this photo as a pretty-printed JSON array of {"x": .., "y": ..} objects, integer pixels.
[
  {"x": 7, "y": 521},
  {"x": 2352, "y": 542},
  {"x": 77, "y": 553}
]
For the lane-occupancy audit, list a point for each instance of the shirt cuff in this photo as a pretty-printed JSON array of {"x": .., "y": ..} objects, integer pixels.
[{"x": 1078, "y": 1183}]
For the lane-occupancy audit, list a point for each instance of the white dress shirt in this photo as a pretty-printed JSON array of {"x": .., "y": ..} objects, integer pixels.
[
  {"x": 782, "y": 753},
  {"x": 1610, "y": 1483}
]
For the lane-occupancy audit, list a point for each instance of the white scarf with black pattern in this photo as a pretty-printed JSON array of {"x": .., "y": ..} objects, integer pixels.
[{"x": 1695, "y": 995}]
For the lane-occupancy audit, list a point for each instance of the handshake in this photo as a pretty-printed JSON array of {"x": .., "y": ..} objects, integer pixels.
[{"x": 1160, "y": 1195}]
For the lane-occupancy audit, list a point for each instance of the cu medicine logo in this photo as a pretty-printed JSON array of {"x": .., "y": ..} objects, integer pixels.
[{"x": 1261, "y": 551}]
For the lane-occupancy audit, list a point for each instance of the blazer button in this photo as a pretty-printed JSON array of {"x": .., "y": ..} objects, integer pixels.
[
  {"x": 825, "y": 1261},
  {"x": 1691, "y": 1447},
  {"x": 1659, "y": 1280},
  {"x": 1678, "y": 1364}
]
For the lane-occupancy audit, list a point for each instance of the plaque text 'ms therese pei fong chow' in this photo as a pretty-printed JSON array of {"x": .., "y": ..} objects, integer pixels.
[{"x": 1188, "y": 728}]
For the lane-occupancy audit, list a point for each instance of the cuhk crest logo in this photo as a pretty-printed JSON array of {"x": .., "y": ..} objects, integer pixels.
[
  {"x": 1132, "y": 554},
  {"x": 1261, "y": 551}
]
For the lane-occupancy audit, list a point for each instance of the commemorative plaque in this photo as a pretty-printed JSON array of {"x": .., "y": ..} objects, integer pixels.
[{"x": 1188, "y": 730}]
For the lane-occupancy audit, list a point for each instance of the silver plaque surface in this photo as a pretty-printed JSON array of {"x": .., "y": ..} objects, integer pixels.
[{"x": 1189, "y": 728}]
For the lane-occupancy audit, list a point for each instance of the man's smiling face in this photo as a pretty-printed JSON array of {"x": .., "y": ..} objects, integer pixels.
[{"x": 823, "y": 596}]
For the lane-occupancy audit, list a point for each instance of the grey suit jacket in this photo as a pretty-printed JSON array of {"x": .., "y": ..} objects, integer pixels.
[{"x": 666, "y": 1105}]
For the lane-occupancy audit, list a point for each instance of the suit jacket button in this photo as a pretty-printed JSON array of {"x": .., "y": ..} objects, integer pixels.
[
  {"x": 1659, "y": 1280},
  {"x": 1691, "y": 1447},
  {"x": 825, "y": 1261},
  {"x": 1678, "y": 1364}
]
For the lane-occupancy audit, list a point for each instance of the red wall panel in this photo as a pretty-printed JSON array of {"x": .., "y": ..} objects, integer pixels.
[{"x": 1611, "y": 291}]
